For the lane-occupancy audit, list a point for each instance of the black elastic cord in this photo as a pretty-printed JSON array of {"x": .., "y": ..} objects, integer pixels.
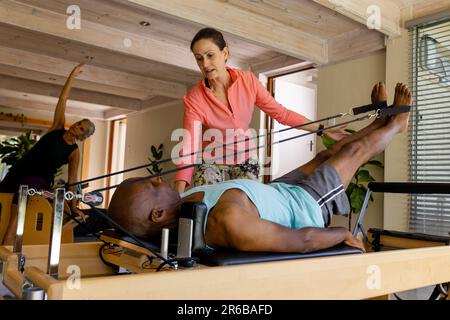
[
  {"x": 202, "y": 151},
  {"x": 235, "y": 154},
  {"x": 125, "y": 231},
  {"x": 369, "y": 107},
  {"x": 97, "y": 235},
  {"x": 393, "y": 111}
]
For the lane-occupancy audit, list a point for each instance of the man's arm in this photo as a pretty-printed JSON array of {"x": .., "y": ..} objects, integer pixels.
[
  {"x": 59, "y": 116},
  {"x": 243, "y": 231}
]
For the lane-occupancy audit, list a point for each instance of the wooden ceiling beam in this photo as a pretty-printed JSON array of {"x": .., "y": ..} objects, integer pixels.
[
  {"x": 33, "y": 104},
  {"x": 278, "y": 65},
  {"x": 246, "y": 25},
  {"x": 357, "y": 43},
  {"x": 361, "y": 10},
  {"x": 48, "y": 22},
  {"x": 94, "y": 77},
  {"x": 115, "y": 114},
  {"x": 43, "y": 77},
  {"x": 44, "y": 89}
]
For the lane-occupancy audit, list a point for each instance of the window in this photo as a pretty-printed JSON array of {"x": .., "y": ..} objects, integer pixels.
[
  {"x": 430, "y": 125},
  {"x": 116, "y": 154}
]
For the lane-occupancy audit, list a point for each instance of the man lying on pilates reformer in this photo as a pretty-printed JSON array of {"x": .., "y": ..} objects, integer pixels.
[{"x": 291, "y": 214}]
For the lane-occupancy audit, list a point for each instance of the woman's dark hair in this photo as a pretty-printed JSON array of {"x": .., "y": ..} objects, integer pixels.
[{"x": 212, "y": 34}]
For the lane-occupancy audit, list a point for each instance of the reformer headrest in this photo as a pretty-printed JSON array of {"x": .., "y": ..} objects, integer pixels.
[{"x": 197, "y": 212}]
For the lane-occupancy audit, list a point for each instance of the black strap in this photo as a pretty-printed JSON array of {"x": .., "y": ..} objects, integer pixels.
[
  {"x": 370, "y": 107},
  {"x": 357, "y": 110},
  {"x": 391, "y": 111}
]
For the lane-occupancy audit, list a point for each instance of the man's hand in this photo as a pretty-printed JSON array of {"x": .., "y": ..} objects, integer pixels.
[
  {"x": 337, "y": 133},
  {"x": 77, "y": 70},
  {"x": 351, "y": 241},
  {"x": 79, "y": 213}
]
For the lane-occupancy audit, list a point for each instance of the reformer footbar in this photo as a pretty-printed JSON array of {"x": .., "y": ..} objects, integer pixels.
[{"x": 397, "y": 187}]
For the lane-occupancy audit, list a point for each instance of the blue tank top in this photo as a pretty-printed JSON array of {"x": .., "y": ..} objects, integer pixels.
[{"x": 282, "y": 203}]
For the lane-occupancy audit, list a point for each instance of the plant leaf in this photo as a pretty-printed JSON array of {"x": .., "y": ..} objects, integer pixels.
[
  {"x": 357, "y": 198},
  {"x": 364, "y": 176},
  {"x": 153, "y": 150},
  {"x": 327, "y": 142},
  {"x": 350, "y": 188},
  {"x": 376, "y": 163}
]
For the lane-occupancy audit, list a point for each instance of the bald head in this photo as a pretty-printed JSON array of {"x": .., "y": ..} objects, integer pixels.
[{"x": 144, "y": 207}]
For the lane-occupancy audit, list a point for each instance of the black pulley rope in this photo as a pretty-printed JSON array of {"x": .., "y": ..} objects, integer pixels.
[
  {"x": 355, "y": 111},
  {"x": 200, "y": 151},
  {"x": 235, "y": 154}
]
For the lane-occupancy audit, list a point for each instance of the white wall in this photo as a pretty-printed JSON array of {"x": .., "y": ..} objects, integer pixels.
[
  {"x": 151, "y": 128},
  {"x": 98, "y": 154},
  {"x": 344, "y": 86},
  {"x": 396, "y": 154}
]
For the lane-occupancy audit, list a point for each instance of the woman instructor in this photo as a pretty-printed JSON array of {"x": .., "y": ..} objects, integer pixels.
[{"x": 224, "y": 100}]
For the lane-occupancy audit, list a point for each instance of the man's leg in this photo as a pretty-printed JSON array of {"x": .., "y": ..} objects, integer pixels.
[
  {"x": 378, "y": 94},
  {"x": 357, "y": 152}
]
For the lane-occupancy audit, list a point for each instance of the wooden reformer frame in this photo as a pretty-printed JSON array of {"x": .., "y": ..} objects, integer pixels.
[{"x": 342, "y": 277}]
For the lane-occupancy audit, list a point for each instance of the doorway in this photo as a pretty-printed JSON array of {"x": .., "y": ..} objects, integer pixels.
[{"x": 298, "y": 92}]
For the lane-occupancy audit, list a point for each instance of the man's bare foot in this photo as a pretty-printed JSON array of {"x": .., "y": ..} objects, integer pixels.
[
  {"x": 379, "y": 93},
  {"x": 402, "y": 98}
]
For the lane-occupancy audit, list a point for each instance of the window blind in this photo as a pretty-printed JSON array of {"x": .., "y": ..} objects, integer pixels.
[{"x": 429, "y": 159}]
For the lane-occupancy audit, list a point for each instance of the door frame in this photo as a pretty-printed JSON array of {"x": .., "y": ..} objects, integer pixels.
[{"x": 268, "y": 121}]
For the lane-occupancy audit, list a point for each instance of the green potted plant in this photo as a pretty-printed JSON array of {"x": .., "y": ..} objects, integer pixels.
[
  {"x": 157, "y": 154},
  {"x": 12, "y": 149},
  {"x": 357, "y": 188}
]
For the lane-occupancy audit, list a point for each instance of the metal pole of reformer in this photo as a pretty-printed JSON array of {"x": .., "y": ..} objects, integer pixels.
[
  {"x": 33, "y": 293},
  {"x": 55, "y": 236},
  {"x": 21, "y": 212},
  {"x": 359, "y": 222}
]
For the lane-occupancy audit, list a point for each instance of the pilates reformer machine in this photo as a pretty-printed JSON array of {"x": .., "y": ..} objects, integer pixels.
[{"x": 121, "y": 266}]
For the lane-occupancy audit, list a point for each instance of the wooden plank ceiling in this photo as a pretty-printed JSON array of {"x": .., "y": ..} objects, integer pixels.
[{"x": 138, "y": 50}]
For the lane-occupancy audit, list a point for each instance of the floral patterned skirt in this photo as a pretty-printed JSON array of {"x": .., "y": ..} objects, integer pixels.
[{"x": 214, "y": 173}]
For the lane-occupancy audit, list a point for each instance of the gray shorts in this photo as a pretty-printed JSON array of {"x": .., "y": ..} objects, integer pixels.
[{"x": 325, "y": 186}]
